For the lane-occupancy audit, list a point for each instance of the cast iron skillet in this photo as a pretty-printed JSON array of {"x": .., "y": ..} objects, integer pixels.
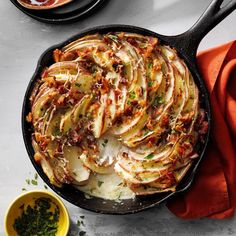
[{"x": 186, "y": 44}]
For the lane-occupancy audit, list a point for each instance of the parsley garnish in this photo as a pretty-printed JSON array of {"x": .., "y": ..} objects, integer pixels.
[
  {"x": 149, "y": 65},
  {"x": 158, "y": 100},
  {"x": 77, "y": 85},
  {"x": 132, "y": 95},
  {"x": 100, "y": 183},
  {"x": 105, "y": 141},
  {"x": 150, "y": 83},
  {"x": 149, "y": 156},
  {"x": 113, "y": 37},
  {"x": 34, "y": 182}
]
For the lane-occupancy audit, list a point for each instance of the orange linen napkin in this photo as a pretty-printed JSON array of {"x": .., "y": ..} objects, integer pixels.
[{"x": 213, "y": 193}]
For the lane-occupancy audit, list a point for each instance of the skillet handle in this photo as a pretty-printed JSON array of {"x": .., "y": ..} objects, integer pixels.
[{"x": 188, "y": 42}]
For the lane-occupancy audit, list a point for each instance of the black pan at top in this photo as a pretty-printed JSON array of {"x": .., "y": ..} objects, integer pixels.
[
  {"x": 186, "y": 44},
  {"x": 70, "y": 12}
]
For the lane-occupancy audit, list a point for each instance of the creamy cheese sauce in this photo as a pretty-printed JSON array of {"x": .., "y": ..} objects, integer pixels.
[{"x": 108, "y": 186}]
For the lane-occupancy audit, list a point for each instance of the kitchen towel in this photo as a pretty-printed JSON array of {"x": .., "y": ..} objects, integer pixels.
[{"x": 213, "y": 193}]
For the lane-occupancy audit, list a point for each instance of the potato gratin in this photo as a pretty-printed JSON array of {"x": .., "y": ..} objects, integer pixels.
[{"x": 116, "y": 115}]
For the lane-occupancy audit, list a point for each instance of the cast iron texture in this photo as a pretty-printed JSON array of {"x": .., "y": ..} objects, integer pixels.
[
  {"x": 186, "y": 45},
  {"x": 68, "y": 13}
]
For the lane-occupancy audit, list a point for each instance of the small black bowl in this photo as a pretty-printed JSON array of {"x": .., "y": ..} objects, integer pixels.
[{"x": 68, "y": 13}]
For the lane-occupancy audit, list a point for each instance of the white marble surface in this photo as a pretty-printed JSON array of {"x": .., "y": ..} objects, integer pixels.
[{"x": 23, "y": 39}]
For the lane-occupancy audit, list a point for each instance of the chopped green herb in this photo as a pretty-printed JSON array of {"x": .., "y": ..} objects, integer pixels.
[
  {"x": 82, "y": 233},
  {"x": 150, "y": 156},
  {"x": 82, "y": 223},
  {"x": 23, "y": 189},
  {"x": 119, "y": 196},
  {"x": 45, "y": 186},
  {"x": 113, "y": 37},
  {"x": 34, "y": 182},
  {"x": 27, "y": 181},
  {"x": 142, "y": 45},
  {"x": 77, "y": 85},
  {"x": 35, "y": 176},
  {"x": 41, "y": 219},
  {"x": 100, "y": 183},
  {"x": 150, "y": 83},
  {"x": 82, "y": 217},
  {"x": 105, "y": 141},
  {"x": 78, "y": 223},
  {"x": 132, "y": 95},
  {"x": 149, "y": 65},
  {"x": 158, "y": 100},
  {"x": 146, "y": 132}
]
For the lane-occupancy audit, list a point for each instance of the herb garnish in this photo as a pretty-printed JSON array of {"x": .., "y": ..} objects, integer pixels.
[
  {"x": 149, "y": 156},
  {"x": 82, "y": 233},
  {"x": 149, "y": 65},
  {"x": 41, "y": 219},
  {"x": 158, "y": 100},
  {"x": 77, "y": 85},
  {"x": 113, "y": 37},
  {"x": 132, "y": 95},
  {"x": 34, "y": 182},
  {"x": 79, "y": 224},
  {"x": 150, "y": 83},
  {"x": 100, "y": 183},
  {"x": 105, "y": 141}
]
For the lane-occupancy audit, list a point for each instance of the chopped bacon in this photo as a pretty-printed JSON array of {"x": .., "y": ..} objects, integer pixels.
[
  {"x": 56, "y": 55},
  {"x": 29, "y": 117}
]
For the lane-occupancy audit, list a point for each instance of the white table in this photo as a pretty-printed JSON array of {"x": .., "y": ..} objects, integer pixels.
[{"x": 23, "y": 39}]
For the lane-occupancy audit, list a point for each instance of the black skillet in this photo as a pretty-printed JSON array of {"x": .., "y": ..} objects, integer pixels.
[
  {"x": 186, "y": 44},
  {"x": 68, "y": 13}
]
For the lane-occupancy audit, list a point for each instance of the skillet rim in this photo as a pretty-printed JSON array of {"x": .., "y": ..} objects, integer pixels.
[{"x": 191, "y": 63}]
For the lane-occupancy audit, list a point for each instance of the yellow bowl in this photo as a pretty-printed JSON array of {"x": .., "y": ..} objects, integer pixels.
[{"x": 28, "y": 197}]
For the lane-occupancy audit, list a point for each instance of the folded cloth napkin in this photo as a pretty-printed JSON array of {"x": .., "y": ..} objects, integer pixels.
[{"x": 213, "y": 193}]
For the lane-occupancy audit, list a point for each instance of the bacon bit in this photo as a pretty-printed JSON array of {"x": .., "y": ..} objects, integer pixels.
[
  {"x": 153, "y": 41},
  {"x": 37, "y": 157},
  {"x": 51, "y": 82},
  {"x": 117, "y": 93},
  {"x": 38, "y": 137},
  {"x": 150, "y": 144},
  {"x": 109, "y": 101},
  {"x": 29, "y": 117},
  {"x": 172, "y": 138},
  {"x": 121, "y": 35},
  {"x": 68, "y": 56},
  {"x": 61, "y": 100},
  {"x": 44, "y": 142},
  {"x": 56, "y": 55},
  {"x": 105, "y": 86},
  {"x": 44, "y": 73},
  {"x": 149, "y": 124},
  {"x": 158, "y": 111},
  {"x": 203, "y": 127},
  {"x": 156, "y": 65},
  {"x": 165, "y": 121}
]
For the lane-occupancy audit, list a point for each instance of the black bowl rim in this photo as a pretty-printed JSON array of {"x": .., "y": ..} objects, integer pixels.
[
  {"x": 106, "y": 29},
  {"x": 89, "y": 10}
]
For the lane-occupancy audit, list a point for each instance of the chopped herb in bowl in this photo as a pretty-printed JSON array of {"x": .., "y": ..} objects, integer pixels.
[{"x": 40, "y": 219}]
